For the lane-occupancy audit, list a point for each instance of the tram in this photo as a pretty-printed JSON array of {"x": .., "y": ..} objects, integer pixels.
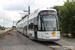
[{"x": 41, "y": 25}]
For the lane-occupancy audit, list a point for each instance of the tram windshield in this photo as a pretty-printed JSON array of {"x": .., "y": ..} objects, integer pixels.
[{"x": 49, "y": 22}]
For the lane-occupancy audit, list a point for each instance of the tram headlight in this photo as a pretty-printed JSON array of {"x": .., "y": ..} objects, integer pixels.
[
  {"x": 58, "y": 32},
  {"x": 45, "y": 33}
]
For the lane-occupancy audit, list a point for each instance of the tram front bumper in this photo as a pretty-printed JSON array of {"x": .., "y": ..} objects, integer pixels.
[{"x": 48, "y": 39}]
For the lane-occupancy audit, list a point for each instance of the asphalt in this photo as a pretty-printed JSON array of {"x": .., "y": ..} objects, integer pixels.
[
  {"x": 68, "y": 39},
  {"x": 17, "y": 41}
]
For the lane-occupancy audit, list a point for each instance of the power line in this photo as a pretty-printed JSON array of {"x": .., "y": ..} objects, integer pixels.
[
  {"x": 28, "y": 3},
  {"x": 49, "y": 2},
  {"x": 32, "y": 2},
  {"x": 46, "y": 4},
  {"x": 57, "y": 1}
]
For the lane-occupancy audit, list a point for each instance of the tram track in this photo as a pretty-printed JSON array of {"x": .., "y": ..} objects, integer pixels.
[
  {"x": 59, "y": 46},
  {"x": 56, "y": 46},
  {"x": 52, "y": 45},
  {"x": 69, "y": 40}
]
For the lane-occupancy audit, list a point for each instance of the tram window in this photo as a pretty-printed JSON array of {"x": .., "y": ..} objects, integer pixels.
[
  {"x": 35, "y": 23},
  {"x": 31, "y": 24},
  {"x": 39, "y": 24},
  {"x": 25, "y": 25},
  {"x": 42, "y": 26}
]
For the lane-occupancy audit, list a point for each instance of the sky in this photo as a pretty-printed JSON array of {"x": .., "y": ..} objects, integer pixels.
[{"x": 12, "y": 10}]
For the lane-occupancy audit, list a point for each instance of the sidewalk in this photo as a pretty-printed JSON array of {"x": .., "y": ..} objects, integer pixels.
[{"x": 68, "y": 39}]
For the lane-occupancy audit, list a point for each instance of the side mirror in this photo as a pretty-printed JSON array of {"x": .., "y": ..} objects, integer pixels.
[
  {"x": 57, "y": 13},
  {"x": 60, "y": 18},
  {"x": 59, "y": 30}
]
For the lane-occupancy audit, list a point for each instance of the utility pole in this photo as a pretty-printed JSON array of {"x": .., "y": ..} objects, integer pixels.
[
  {"x": 29, "y": 9},
  {"x": 3, "y": 19},
  {"x": 28, "y": 14},
  {"x": 13, "y": 23}
]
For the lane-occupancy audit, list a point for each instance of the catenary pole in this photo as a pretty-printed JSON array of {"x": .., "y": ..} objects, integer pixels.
[{"x": 28, "y": 15}]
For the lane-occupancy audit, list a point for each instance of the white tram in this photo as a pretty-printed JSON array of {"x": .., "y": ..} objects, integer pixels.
[{"x": 42, "y": 25}]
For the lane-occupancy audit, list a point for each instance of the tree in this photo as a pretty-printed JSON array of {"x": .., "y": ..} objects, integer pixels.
[
  {"x": 18, "y": 22},
  {"x": 68, "y": 15},
  {"x": 24, "y": 17},
  {"x": 21, "y": 19},
  {"x": 57, "y": 8},
  {"x": 0, "y": 27},
  {"x": 13, "y": 26}
]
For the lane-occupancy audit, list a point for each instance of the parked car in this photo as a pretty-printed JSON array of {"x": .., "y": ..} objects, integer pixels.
[{"x": 2, "y": 28}]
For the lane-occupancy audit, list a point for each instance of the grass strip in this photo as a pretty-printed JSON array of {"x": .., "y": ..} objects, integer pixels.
[
  {"x": 66, "y": 35},
  {"x": 1, "y": 32}
]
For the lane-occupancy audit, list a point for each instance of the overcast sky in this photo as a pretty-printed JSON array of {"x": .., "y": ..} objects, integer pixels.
[{"x": 11, "y": 10}]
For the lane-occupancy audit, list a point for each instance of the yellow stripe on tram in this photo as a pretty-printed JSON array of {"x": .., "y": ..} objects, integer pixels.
[{"x": 53, "y": 33}]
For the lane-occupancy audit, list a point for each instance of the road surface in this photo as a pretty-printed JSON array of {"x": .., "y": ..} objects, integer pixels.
[{"x": 17, "y": 41}]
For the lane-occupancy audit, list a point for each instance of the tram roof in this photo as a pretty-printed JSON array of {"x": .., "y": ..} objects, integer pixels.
[{"x": 34, "y": 14}]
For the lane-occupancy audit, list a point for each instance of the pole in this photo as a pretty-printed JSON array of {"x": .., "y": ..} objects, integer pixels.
[
  {"x": 3, "y": 18},
  {"x": 7, "y": 32},
  {"x": 13, "y": 23},
  {"x": 29, "y": 9},
  {"x": 28, "y": 15}
]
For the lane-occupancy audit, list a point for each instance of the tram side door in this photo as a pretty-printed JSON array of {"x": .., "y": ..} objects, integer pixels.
[{"x": 35, "y": 27}]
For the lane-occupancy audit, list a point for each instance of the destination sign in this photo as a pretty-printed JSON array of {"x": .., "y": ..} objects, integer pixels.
[{"x": 48, "y": 12}]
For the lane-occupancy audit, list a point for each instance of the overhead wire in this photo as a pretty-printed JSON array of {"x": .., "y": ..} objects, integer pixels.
[
  {"x": 45, "y": 4},
  {"x": 49, "y": 2},
  {"x": 32, "y": 2},
  {"x": 28, "y": 3},
  {"x": 56, "y": 1}
]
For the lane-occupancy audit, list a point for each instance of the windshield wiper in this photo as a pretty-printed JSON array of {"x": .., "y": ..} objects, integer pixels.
[{"x": 42, "y": 22}]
